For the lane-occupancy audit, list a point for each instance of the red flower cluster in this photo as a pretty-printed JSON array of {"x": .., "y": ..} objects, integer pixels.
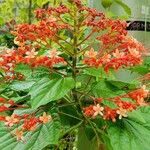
[
  {"x": 45, "y": 29},
  {"x": 29, "y": 121},
  {"x": 122, "y": 107},
  {"x": 117, "y": 49},
  {"x": 129, "y": 53},
  {"x": 27, "y": 55}
]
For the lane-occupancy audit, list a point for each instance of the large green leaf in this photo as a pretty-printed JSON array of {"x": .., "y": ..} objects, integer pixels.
[
  {"x": 124, "y": 85},
  {"x": 97, "y": 72},
  {"x": 142, "y": 69},
  {"x": 44, "y": 135},
  {"x": 130, "y": 133},
  {"x": 125, "y": 75},
  {"x": 84, "y": 143},
  {"x": 21, "y": 85},
  {"x": 35, "y": 73},
  {"x": 105, "y": 89},
  {"x": 46, "y": 90}
]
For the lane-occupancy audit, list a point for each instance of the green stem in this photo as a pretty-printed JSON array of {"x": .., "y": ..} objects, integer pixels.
[
  {"x": 54, "y": 2},
  {"x": 70, "y": 116},
  {"x": 88, "y": 36},
  {"x": 74, "y": 61},
  {"x": 72, "y": 128},
  {"x": 54, "y": 70},
  {"x": 97, "y": 137},
  {"x": 30, "y": 12}
]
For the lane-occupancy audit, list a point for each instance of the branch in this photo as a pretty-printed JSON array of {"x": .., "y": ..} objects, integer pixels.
[{"x": 85, "y": 38}]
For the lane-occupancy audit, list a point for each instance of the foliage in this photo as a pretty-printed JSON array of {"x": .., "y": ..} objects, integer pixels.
[
  {"x": 55, "y": 85},
  {"x": 107, "y": 4}
]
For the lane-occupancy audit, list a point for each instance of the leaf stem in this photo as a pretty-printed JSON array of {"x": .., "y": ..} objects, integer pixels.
[{"x": 70, "y": 116}]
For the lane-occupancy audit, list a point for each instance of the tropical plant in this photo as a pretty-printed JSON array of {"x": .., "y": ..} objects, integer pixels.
[{"x": 58, "y": 92}]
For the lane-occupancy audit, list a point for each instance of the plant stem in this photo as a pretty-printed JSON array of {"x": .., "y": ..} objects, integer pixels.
[
  {"x": 30, "y": 12},
  {"x": 96, "y": 134},
  {"x": 74, "y": 60},
  {"x": 88, "y": 36},
  {"x": 70, "y": 116},
  {"x": 54, "y": 2}
]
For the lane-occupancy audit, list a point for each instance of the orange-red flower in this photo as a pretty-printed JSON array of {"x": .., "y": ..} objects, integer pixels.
[
  {"x": 45, "y": 118},
  {"x": 110, "y": 113},
  {"x": 19, "y": 134},
  {"x": 98, "y": 110},
  {"x": 122, "y": 113},
  {"x": 30, "y": 124},
  {"x": 11, "y": 120}
]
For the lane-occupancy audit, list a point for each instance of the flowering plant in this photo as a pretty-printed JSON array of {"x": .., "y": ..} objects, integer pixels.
[{"x": 61, "y": 82}]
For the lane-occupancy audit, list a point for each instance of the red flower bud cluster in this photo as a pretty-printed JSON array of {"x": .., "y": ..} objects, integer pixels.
[
  {"x": 122, "y": 107},
  {"x": 43, "y": 13}
]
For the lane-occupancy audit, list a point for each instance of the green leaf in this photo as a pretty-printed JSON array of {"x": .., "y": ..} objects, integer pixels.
[
  {"x": 23, "y": 69},
  {"x": 105, "y": 89},
  {"x": 106, "y": 3},
  {"x": 110, "y": 14},
  {"x": 124, "y": 6},
  {"x": 21, "y": 85},
  {"x": 96, "y": 72},
  {"x": 83, "y": 79},
  {"x": 41, "y": 2},
  {"x": 130, "y": 133},
  {"x": 40, "y": 72},
  {"x": 136, "y": 116},
  {"x": 1, "y": 21},
  {"x": 21, "y": 98},
  {"x": 126, "y": 75},
  {"x": 44, "y": 135},
  {"x": 3, "y": 86},
  {"x": 147, "y": 61},
  {"x": 23, "y": 111},
  {"x": 143, "y": 69},
  {"x": 69, "y": 116},
  {"x": 84, "y": 143},
  {"x": 46, "y": 90},
  {"x": 124, "y": 85}
]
